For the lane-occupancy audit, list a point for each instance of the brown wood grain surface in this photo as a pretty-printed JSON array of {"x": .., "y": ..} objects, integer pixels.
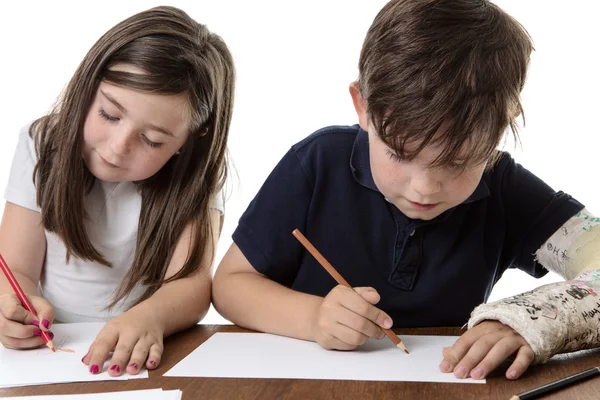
[{"x": 180, "y": 345}]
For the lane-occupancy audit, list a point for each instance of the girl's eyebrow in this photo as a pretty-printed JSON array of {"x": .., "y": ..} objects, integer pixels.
[{"x": 124, "y": 111}]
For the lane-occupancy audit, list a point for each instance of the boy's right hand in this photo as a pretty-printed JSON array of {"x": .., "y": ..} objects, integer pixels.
[
  {"x": 347, "y": 318},
  {"x": 20, "y": 329}
]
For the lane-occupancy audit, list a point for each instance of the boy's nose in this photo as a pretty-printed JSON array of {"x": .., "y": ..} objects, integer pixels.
[{"x": 426, "y": 186}]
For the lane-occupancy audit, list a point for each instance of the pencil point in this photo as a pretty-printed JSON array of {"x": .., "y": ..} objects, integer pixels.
[
  {"x": 51, "y": 345},
  {"x": 402, "y": 347}
]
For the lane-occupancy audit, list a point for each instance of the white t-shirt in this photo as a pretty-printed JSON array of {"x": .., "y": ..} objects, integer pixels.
[{"x": 81, "y": 290}]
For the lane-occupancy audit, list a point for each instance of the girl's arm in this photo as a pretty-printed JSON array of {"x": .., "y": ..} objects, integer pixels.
[
  {"x": 182, "y": 303},
  {"x": 23, "y": 246},
  {"x": 137, "y": 335}
]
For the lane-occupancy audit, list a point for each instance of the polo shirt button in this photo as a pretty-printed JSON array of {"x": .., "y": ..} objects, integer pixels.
[{"x": 413, "y": 232}]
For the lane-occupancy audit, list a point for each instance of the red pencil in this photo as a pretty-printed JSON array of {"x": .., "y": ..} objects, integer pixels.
[{"x": 23, "y": 298}]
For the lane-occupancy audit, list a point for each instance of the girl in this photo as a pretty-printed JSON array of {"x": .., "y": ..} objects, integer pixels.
[{"x": 113, "y": 208}]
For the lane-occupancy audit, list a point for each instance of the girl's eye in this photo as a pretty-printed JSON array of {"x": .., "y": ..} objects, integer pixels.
[
  {"x": 151, "y": 143},
  {"x": 107, "y": 117},
  {"x": 395, "y": 157}
]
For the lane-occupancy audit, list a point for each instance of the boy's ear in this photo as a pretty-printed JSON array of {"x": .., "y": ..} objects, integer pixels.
[{"x": 359, "y": 106}]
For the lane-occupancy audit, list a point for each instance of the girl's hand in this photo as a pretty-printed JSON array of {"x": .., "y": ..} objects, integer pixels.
[
  {"x": 20, "y": 329},
  {"x": 135, "y": 339},
  {"x": 483, "y": 348},
  {"x": 347, "y": 318}
]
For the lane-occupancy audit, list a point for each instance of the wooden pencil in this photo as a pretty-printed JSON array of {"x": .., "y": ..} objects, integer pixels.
[
  {"x": 340, "y": 280},
  {"x": 559, "y": 384},
  {"x": 23, "y": 299}
]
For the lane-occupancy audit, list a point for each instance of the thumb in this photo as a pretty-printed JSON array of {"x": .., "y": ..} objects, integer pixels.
[
  {"x": 369, "y": 294},
  {"x": 44, "y": 310}
]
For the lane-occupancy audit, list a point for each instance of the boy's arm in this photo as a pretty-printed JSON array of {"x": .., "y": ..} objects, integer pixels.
[
  {"x": 266, "y": 306},
  {"x": 563, "y": 316}
]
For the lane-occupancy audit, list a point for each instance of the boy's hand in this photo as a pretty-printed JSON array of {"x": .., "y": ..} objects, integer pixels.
[
  {"x": 135, "y": 339},
  {"x": 347, "y": 318},
  {"x": 20, "y": 329},
  {"x": 483, "y": 348}
]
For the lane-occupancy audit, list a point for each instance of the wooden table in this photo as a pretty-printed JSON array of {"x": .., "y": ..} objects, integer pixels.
[{"x": 180, "y": 345}]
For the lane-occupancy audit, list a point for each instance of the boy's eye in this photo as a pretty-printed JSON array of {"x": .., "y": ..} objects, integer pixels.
[
  {"x": 106, "y": 116},
  {"x": 395, "y": 157},
  {"x": 150, "y": 142}
]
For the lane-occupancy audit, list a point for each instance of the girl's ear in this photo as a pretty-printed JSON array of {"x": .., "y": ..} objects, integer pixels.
[{"x": 359, "y": 105}]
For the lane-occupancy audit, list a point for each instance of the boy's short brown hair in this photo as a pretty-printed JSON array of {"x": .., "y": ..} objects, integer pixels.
[{"x": 425, "y": 62}]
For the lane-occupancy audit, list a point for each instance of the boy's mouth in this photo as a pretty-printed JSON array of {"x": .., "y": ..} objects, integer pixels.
[{"x": 421, "y": 206}]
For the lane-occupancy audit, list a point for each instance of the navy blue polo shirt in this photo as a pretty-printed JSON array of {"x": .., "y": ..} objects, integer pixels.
[{"x": 428, "y": 273}]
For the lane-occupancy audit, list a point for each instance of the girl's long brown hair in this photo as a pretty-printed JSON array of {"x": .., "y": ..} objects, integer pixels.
[{"x": 178, "y": 55}]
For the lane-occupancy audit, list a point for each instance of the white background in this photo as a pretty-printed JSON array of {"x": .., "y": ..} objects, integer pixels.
[{"x": 294, "y": 62}]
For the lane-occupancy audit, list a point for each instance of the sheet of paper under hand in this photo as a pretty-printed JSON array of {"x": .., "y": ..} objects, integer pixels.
[
  {"x": 259, "y": 355},
  {"x": 150, "y": 394},
  {"x": 42, "y": 366}
]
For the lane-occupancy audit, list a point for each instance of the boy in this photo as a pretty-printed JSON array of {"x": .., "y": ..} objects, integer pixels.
[{"x": 416, "y": 208}]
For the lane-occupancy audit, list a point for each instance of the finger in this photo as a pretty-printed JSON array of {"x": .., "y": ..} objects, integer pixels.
[
  {"x": 27, "y": 343},
  {"x": 122, "y": 354},
  {"x": 99, "y": 350},
  {"x": 459, "y": 349},
  {"x": 16, "y": 330},
  {"x": 523, "y": 360},
  {"x": 358, "y": 324},
  {"x": 12, "y": 309},
  {"x": 369, "y": 294},
  {"x": 154, "y": 356},
  {"x": 139, "y": 355},
  {"x": 360, "y": 306},
  {"x": 476, "y": 354},
  {"x": 496, "y": 356},
  {"x": 45, "y": 312},
  {"x": 333, "y": 343}
]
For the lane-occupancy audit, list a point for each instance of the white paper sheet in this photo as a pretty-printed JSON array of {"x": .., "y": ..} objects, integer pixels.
[
  {"x": 259, "y": 355},
  {"x": 42, "y": 366},
  {"x": 150, "y": 394}
]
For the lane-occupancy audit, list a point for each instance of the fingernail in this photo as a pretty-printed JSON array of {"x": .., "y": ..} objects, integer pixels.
[
  {"x": 153, "y": 363},
  {"x": 94, "y": 369},
  {"x": 51, "y": 335},
  {"x": 460, "y": 372},
  {"x": 445, "y": 366},
  {"x": 115, "y": 368},
  {"x": 512, "y": 374},
  {"x": 83, "y": 358},
  {"x": 46, "y": 323},
  {"x": 35, "y": 322},
  {"x": 477, "y": 373},
  {"x": 387, "y": 323},
  {"x": 133, "y": 365},
  {"x": 37, "y": 332}
]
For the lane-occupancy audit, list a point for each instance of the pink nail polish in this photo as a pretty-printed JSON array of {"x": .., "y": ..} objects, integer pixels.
[
  {"x": 35, "y": 322},
  {"x": 115, "y": 368},
  {"x": 51, "y": 335},
  {"x": 153, "y": 363},
  {"x": 37, "y": 332},
  {"x": 133, "y": 365},
  {"x": 46, "y": 323},
  {"x": 94, "y": 369}
]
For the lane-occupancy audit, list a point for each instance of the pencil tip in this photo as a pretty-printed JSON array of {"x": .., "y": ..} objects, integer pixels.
[{"x": 402, "y": 347}]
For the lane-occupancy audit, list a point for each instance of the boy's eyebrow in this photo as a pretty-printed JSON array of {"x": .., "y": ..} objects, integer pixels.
[{"x": 122, "y": 109}]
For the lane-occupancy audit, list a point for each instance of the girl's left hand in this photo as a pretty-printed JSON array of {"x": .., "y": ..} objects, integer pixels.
[
  {"x": 483, "y": 348},
  {"x": 135, "y": 339}
]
